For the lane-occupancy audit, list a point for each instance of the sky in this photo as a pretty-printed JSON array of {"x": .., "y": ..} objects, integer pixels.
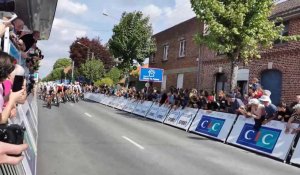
[{"x": 78, "y": 18}]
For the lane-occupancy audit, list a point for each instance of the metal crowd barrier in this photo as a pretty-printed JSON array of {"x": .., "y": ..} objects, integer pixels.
[
  {"x": 27, "y": 115},
  {"x": 270, "y": 140}
]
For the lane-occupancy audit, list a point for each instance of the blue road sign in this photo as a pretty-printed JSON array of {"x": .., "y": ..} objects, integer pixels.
[{"x": 151, "y": 74}]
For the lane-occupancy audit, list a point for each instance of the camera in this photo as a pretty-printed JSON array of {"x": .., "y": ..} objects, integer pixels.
[{"x": 12, "y": 133}]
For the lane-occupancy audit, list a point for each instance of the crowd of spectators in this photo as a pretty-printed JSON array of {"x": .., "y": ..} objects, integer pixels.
[
  {"x": 24, "y": 40},
  {"x": 256, "y": 104}
]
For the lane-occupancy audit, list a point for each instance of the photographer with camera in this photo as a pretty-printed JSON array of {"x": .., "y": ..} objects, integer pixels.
[{"x": 11, "y": 134}]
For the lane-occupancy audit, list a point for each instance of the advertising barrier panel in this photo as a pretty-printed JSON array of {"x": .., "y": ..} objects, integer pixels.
[
  {"x": 213, "y": 124},
  {"x": 87, "y": 95},
  {"x": 270, "y": 139},
  {"x": 158, "y": 113},
  {"x": 181, "y": 118},
  {"x": 130, "y": 106},
  {"x": 113, "y": 101},
  {"x": 153, "y": 110},
  {"x": 142, "y": 108},
  {"x": 123, "y": 101},
  {"x": 99, "y": 98},
  {"x": 106, "y": 100},
  {"x": 296, "y": 155}
]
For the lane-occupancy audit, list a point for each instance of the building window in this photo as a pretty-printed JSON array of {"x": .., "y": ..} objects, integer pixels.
[
  {"x": 180, "y": 81},
  {"x": 182, "y": 47},
  {"x": 166, "y": 52},
  {"x": 284, "y": 32}
]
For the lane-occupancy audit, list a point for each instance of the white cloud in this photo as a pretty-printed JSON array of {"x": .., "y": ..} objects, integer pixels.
[
  {"x": 165, "y": 17},
  {"x": 152, "y": 11},
  {"x": 63, "y": 33},
  {"x": 72, "y": 7}
]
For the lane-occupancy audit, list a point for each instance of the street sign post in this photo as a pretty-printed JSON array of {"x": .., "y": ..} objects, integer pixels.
[{"x": 151, "y": 74}]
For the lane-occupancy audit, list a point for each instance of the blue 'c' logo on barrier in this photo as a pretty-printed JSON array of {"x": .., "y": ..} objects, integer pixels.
[
  {"x": 264, "y": 140},
  {"x": 210, "y": 125}
]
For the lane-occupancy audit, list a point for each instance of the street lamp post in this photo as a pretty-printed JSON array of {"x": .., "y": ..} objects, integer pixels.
[{"x": 107, "y": 15}]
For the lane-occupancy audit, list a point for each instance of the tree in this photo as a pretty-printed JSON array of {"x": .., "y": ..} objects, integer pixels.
[
  {"x": 239, "y": 29},
  {"x": 62, "y": 63},
  {"x": 92, "y": 69},
  {"x": 114, "y": 74},
  {"x": 132, "y": 39},
  {"x": 79, "y": 53},
  {"x": 105, "y": 81},
  {"x": 56, "y": 74}
]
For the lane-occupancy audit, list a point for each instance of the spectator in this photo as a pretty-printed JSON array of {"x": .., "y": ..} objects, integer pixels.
[
  {"x": 254, "y": 84},
  {"x": 271, "y": 109},
  {"x": 201, "y": 103},
  {"x": 258, "y": 93},
  {"x": 222, "y": 101},
  {"x": 193, "y": 98},
  {"x": 7, "y": 67},
  {"x": 297, "y": 101},
  {"x": 257, "y": 112},
  {"x": 18, "y": 26},
  {"x": 284, "y": 113},
  {"x": 294, "y": 118},
  {"x": 164, "y": 98},
  {"x": 211, "y": 104},
  {"x": 234, "y": 104}
]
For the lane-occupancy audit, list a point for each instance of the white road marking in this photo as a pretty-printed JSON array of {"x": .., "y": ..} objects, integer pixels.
[
  {"x": 87, "y": 114},
  {"x": 133, "y": 142},
  {"x": 71, "y": 104}
]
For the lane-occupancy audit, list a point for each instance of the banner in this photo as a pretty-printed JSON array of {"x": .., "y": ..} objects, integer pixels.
[
  {"x": 113, "y": 101},
  {"x": 270, "y": 139},
  {"x": 93, "y": 97},
  {"x": 142, "y": 108},
  {"x": 87, "y": 95},
  {"x": 158, "y": 113},
  {"x": 130, "y": 106},
  {"x": 296, "y": 154},
  {"x": 106, "y": 100},
  {"x": 181, "y": 118},
  {"x": 122, "y": 103},
  {"x": 213, "y": 124},
  {"x": 99, "y": 98}
]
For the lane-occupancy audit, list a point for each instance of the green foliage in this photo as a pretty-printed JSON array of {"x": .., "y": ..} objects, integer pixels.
[
  {"x": 57, "y": 74},
  {"x": 114, "y": 74},
  {"x": 238, "y": 28},
  {"x": 132, "y": 39},
  {"x": 92, "y": 69},
  {"x": 62, "y": 63},
  {"x": 105, "y": 81}
]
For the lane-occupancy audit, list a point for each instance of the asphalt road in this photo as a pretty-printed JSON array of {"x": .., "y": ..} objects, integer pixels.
[{"x": 90, "y": 139}]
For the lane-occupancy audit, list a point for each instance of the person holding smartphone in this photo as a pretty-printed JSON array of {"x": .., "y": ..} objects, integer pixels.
[{"x": 6, "y": 67}]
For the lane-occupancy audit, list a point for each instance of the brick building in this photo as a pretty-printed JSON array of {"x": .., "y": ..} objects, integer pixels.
[{"x": 278, "y": 70}]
